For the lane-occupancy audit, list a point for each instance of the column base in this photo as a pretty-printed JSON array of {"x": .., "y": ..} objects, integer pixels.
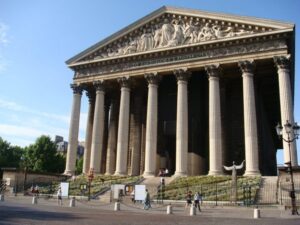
[
  {"x": 120, "y": 174},
  {"x": 148, "y": 174},
  {"x": 108, "y": 174},
  {"x": 215, "y": 173},
  {"x": 180, "y": 174},
  {"x": 69, "y": 173},
  {"x": 251, "y": 173}
]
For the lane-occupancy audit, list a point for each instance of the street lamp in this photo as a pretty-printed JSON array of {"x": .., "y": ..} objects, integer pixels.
[{"x": 292, "y": 131}]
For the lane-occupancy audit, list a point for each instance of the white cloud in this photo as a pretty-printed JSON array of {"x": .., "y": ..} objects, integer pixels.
[
  {"x": 3, "y": 34},
  {"x": 9, "y": 105}
]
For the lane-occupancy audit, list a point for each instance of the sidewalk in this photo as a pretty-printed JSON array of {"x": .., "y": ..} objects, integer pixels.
[{"x": 157, "y": 209}]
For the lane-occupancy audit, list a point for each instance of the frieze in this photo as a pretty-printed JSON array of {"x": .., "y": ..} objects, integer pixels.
[
  {"x": 201, "y": 54},
  {"x": 172, "y": 31}
]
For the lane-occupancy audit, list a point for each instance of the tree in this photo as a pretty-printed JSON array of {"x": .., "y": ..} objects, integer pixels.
[
  {"x": 79, "y": 165},
  {"x": 10, "y": 156},
  {"x": 43, "y": 157}
]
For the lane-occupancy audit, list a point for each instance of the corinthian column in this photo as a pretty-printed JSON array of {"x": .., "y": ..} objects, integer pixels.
[
  {"x": 74, "y": 129},
  {"x": 88, "y": 134},
  {"x": 98, "y": 128},
  {"x": 286, "y": 106},
  {"x": 112, "y": 139},
  {"x": 182, "y": 76},
  {"x": 151, "y": 124},
  {"x": 215, "y": 127},
  {"x": 250, "y": 122},
  {"x": 122, "y": 143}
]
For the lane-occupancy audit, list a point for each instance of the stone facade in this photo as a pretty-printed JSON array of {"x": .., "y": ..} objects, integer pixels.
[{"x": 185, "y": 90}]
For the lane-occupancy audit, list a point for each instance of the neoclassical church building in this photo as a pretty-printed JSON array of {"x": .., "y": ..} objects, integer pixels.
[{"x": 186, "y": 90}]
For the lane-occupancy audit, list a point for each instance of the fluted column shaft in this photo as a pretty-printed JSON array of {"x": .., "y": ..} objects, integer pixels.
[
  {"x": 182, "y": 76},
  {"x": 215, "y": 137},
  {"x": 88, "y": 134},
  {"x": 286, "y": 106},
  {"x": 112, "y": 139},
  {"x": 74, "y": 129},
  {"x": 250, "y": 122},
  {"x": 98, "y": 128},
  {"x": 123, "y": 128},
  {"x": 151, "y": 125}
]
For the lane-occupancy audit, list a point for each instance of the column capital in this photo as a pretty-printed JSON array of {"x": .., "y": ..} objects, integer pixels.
[
  {"x": 77, "y": 89},
  {"x": 91, "y": 96},
  {"x": 152, "y": 78},
  {"x": 282, "y": 62},
  {"x": 213, "y": 70},
  {"x": 182, "y": 74},
  {"x": 247, "y": 66},
  {"x": 99, "y": 85},
  {"x": 124, "y": 82}
]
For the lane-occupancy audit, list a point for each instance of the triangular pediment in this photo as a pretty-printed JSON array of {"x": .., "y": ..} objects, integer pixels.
[{"x": 170, "y": 27}]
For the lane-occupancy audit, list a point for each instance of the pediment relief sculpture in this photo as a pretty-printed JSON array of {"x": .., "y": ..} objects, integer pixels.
[{"x": 170, "y": 32}]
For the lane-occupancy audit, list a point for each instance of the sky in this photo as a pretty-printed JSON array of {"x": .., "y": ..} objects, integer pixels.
[{"x": 38, "y": 36}]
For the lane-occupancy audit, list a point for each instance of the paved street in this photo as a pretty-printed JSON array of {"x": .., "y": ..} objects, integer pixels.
[{"x": 19, "y": 210}]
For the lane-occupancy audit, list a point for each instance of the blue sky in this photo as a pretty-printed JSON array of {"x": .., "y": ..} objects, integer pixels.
[{"x": 38, "y": 36}]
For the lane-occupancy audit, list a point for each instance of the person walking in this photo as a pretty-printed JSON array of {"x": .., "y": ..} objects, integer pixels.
[
  {"x": 197, "y": 200},
  {"x": 188, "y": 199},
  {"x": 147, "y": 204},
  {"x": 59, "y": 196}
]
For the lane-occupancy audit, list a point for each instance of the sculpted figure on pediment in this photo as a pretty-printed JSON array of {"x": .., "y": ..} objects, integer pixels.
[
  {"x": 221, "y": 33},
  {"x": 190, "y": 32},
  {"x": 131, "y": 47},
  {"x": 167, "y": 30},
  {"x": 178, "y": 37},
  {"x": 156, "y": 35},
  {"x": 146, "y": 41},
  {"x": 206, "y": 33}
]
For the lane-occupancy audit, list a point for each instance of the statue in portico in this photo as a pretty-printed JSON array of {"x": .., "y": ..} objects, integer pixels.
[{"x": 234, "y": 168}]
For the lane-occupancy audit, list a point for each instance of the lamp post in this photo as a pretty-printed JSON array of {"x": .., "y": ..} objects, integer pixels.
[
  {"x": 90, "y": 178},
  {"x": 292, "y": 131}
]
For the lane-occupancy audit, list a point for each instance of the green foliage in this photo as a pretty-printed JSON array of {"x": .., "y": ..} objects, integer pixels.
[
  {"x": 10, "y": 156},
  {"x": 79, "y": 165},
  {"x": 42, "y": 156}
]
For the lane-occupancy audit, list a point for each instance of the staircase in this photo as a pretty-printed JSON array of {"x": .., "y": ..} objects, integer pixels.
[
  {"x": 153, "y": 182},
  {"x": 267, "y": 193}
]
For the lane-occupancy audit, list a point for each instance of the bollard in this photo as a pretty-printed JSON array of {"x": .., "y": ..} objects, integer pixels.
[
  {"x": 1, "y": 198},
  {"x": 256, "y": 213},
  {"x": 169, "y": 209},
  {"x": 117, "y": 206},
  {"x": 34, "y": 200},
  {"x": 72, "y": 202},
  {"x": 192, "y": 210}
]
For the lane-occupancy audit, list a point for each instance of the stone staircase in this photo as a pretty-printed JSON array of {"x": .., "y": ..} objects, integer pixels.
[
  {"x": 268, "y": 191},
  {"x": 153, "y": 182}
]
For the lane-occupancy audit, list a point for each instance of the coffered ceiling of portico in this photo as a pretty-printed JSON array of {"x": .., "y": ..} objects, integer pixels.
[{"x": 169, "y": 27}]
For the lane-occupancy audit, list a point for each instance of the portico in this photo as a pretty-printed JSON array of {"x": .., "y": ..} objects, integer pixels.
[{"x": 185, "y": 90}]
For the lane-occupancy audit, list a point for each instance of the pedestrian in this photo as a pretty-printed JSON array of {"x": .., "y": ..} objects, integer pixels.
[
  {"x": 147, "y": 204},
  {"x": 188, "y": 199},
  {"x": 197, "y": 200},
  {"x": 132, "y": 196},
  {"x": 37, "y": 191},
  {"x": 59, "y": 197}
]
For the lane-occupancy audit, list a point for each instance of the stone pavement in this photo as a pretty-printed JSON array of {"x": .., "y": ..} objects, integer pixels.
[{"x": 20, "y": 210}]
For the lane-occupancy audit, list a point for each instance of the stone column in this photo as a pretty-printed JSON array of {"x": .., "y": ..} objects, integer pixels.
[
  {"x": 286, "y": 105},
  {"x": 182, "y": 76},
  {"x": 250, "y": 122},
  {"x": 88, "y": 134},
  {"x": 122, "y": 143},
  {"x": 98, "y": 128},
  {"x": 215, "y": 126},
  {"x": 112, "y": 138},
  {"x": 74, "y": 129},
  {"x": 151, "y": 125}
]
